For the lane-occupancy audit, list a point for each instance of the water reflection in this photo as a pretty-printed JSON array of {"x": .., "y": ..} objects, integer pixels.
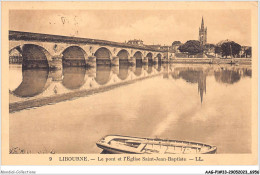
[
  {"x": 123, "y": 71},
  {"x": 227, "y": 76},
  {"x": 167, "y": 106},
  {"x": 73, "y": 77},
  {"x": 34, "y": 82},
  {"x": 103, "y": 74},
  {"x": 138, "y": 71},
  {"x": 150, "y": 69},
  {"x": 193, "y": 75}
]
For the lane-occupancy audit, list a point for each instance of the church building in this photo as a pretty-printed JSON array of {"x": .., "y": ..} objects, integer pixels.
[{"x": 202, "y": 33}]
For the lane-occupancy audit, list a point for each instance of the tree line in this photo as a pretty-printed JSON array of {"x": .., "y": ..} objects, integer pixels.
[{"x": 225, "y": 49}]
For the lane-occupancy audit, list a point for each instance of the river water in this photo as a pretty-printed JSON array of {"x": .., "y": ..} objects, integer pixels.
[{"x": 203, "y": 103}]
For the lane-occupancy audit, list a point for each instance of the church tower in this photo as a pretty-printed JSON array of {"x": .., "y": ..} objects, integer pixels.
[{"x": 202, "y": 33}]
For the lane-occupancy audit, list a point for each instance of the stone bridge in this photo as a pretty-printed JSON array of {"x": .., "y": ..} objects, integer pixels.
[{"x": 54, "y": 51}]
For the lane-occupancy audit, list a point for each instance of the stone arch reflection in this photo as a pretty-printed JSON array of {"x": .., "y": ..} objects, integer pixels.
[
  {"x": 138, "y": 71},
  {"x": 74, "y": 56},
  {"x": 103, "y": 74},
  {"x": 123, "y": 71},
  {"x": 73, "y": 77},
  {"x": 150, "y": 69},
  {"x": 34, "y": 82}
]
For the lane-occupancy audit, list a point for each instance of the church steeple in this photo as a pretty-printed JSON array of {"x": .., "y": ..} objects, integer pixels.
[
  {"x": 202, "y": 23},
  {"x": 202, "y": 33}
]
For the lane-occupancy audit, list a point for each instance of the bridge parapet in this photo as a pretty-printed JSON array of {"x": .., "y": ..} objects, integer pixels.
[{"x": 28, "y": 36}]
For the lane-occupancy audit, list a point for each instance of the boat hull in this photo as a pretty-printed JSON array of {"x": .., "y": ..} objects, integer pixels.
[{"x": 117, "y": 144}]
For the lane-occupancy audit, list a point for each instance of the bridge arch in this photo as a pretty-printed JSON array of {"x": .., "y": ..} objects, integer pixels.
[
  {"x": 138, "y": 56},
  {"x": 123, "y": 56},
  {"x": 74, "y": 56},
  {"x": 33, "y": 56},
  {"x": 103, "y": 55},
  {"x": 159, "y": 56},
  {"x": 149, "y": 55}
]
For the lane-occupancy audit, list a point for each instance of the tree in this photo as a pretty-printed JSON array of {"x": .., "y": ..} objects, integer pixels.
[
  {"x": 217, "y": 50},
  {"x": 248, "y": 52},
  {"x": 192, "y": 47},
  {"x": 230, "y": 48},
  {"x": 176, "y": 43}
]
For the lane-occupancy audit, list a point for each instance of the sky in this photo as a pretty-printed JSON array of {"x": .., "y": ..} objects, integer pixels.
[{"x": 152, "y": 26}]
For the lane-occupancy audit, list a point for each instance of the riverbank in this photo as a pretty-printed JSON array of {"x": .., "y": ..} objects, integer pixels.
[{"x": 244, "y": 61}]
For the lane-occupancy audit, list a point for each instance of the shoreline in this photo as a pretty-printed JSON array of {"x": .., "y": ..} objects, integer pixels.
[{"x": 245, "y": 61}]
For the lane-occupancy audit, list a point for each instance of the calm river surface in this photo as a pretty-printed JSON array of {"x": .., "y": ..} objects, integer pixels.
[{"x": 203, "y": 103}]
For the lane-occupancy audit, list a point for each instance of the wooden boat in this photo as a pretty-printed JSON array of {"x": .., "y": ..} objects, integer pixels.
[{"x": 117, "y": 144}]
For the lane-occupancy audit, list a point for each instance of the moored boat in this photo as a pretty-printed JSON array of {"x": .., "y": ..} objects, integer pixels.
[{"x": 135, "y": 145}]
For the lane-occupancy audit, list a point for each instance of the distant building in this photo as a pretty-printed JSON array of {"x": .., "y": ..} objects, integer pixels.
[
  {"x": 202, "y": 33},
  {"x": 165, "y": 48},
  {"x": 158, "y": 46},
  {"x": 15, "y": 57},
  {"x": 209, "y": 49},
  {"x": 136, "y": 42}
]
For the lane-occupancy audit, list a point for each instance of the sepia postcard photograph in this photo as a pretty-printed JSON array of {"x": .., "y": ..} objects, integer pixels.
[{"x": 129, "y": 83}]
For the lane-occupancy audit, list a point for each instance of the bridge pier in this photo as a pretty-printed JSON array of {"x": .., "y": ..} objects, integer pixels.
[
  {"x": 132, "y": 68},
  {"x": 165, "y": 60},
  {"x": 115, "y": 61},
  {"x": 56, "y": 75},
  {"x": 145, "y": 60},
  {"x": 145, "y": 67},
  {"x": 155, "y": 60},
  {"x": 91, "y": 61},
  {"x": 132, "y": 61},
  {"x": 91, "y": 72},
  {"x": 55, "y": 63},
  {"x": 115, "y": 70}
]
